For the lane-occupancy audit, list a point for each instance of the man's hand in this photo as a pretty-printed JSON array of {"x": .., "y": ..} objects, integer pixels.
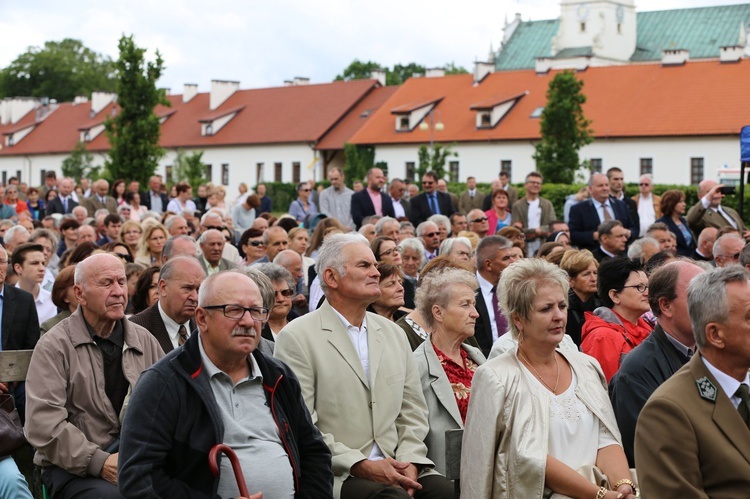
[
  {"x": 299, "y": 301},
  {"x": 3, "y": 388},
  {"x": 389, "y": 471},
  {"x": 109, "y": 470},
  {"x": 746, "y": 235}
]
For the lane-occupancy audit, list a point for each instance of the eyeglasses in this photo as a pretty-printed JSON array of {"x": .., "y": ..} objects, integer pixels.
[
  {"x": 304, "y": 190},
  {"x": 644, "y": 184},
  {"x": 257, "y": 243},
  {"x": 431, "y": 234},
  {"x": 477, "y": 220},
  {"x": 285, "y": 292},
  {"x": 395, "y": 250},
  {"x": 641, "y": 288},
  {"x": 208, "y": 227},
  {"x": 237, "y": 312},
  {"x": 427, "y": 182}
]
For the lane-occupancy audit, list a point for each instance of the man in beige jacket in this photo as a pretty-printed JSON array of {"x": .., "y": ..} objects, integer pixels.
[{"x": 80, "y": 377}]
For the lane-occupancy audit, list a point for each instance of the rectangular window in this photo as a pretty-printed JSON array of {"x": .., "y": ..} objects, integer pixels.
[
  {"x": 453, "y": 175},
  {"x": 225, "y": 174},
  {"x": 5, "y": 178},
  {"x": 647, "y": 166},
  {"x": 42, "y": 176},
  {"x": 410, "y": 171},
  {"x": 403, "y": 123},
  {"x": 506, "y": 165},
  {"x": 277, "y": 172},
  {"x": 596, "y": 165},
  {"x": 296, "y": 172},
  {"x": 209, "y": 173},
  {"x": 18, "y": 175},
  {"x": 170, "y": 172},
  {"x": 696, "y": 170},
  {"x": 258, "y": 173}
]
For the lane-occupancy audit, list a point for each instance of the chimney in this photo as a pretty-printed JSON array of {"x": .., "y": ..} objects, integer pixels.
[
  {"x": 14, "y": 108},
  {"x": 434, "y": 72},
  {"x": 543, "y": 65},
  {"x": 190, "y": 91},
  {"x": 731, "y": 53},
  {"x": 221, "y": 90},
  {"x": 288, "y": 83},
  {"x": 100, "y": 100},
  {"x": 481, "y": 70},
  {"x": 674, "y": 57},
  {"x": 378, "y": 74},
  {"x": 301, "y": 80},
  {"x": 80, "y": 99}
]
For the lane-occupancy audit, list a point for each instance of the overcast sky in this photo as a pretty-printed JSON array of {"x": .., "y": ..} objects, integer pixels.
[{"x": 263, "y": 43}]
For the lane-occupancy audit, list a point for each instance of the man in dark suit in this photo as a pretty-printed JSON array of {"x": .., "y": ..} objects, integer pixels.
[
  {"x": 64, "y": 202},
  {"x": 364, "y": 202},
  {"x": 401, "y": 206},
  {"x": 617, "y": 190},
  {"x": 661, "y": 354},
  {"x": 586, "y": 216},
  {"x": 693, "y": 435},
  {"x": 20, "y": 325},
  {"x": 153, "y": 198},
  {"x": 100, "y": 200},
  {"x": 704, "y": 250},
  {"x": 494, "y": 255},
  {"x": 265, "y": 201},
  {"x": 613, "y": 239},
  {"x": 171, "y": 319},
  {"x": 430, "y": 202}
]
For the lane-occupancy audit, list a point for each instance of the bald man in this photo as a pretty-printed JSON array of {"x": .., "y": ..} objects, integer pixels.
[{"x": 80, "y": 374}]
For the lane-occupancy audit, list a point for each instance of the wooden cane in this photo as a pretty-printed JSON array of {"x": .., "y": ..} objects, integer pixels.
[{"x": 213, "y": 465}]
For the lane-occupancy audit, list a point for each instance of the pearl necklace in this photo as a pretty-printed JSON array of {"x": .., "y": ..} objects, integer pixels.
[{"x": 557, "y": 366}]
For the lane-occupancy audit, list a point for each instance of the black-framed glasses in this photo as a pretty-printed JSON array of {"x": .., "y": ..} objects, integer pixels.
[
  {"x": 285, "y": 292},
  {"x": 478, "y": 220},
  {"x": 126, "y": 257},
  {"x": 237, "y": 312},
  {"x": 257, "y": 243},
  {"x": 391, "y": 251},
  {"x": 641, "y": 288},
  {"x": 219, "y": 228}
]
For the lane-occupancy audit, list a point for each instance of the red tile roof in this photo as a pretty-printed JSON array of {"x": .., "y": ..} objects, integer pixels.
[
  {"x": 411, "y": 106},
  {"x": 644, "y": 100}
]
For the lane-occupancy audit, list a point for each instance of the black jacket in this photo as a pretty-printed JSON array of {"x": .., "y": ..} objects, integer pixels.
[
  {"x": 576, "y": 308},
  {"x": 683, "y": 248},
  {"x": 644, "y": 369},
  {"x": 146, "y": 200},
  {"x": 20, "y": 323},
  {"x": 584, "y": 221},
  {"x": 56, "y": 206},
  {"x": 362, "y": 207},
  {"x": 172, "y": 422},
  {"x": 420, "y": 207}
]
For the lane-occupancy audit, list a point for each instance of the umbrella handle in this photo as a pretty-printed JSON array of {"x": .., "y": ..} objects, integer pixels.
[{"x": 213, "y": 465}]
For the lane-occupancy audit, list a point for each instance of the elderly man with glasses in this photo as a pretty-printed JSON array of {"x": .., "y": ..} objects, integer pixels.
[
  {"x": 430, "y": 201},
  {"x": 218, "y": 388}
]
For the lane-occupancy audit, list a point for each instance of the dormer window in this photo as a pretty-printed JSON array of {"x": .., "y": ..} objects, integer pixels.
[
  {"x": 403, "y": 123},
  {"x": 491, "y": 112},
  {"x": 409, "y": 116},
  {"x": 209, "y": 130},
  {"x": 211, "y": 124},
  {"x": 485, "y": 119},
  {"x": 87, "y": 136},
  {"x": 90, "y": 131}
]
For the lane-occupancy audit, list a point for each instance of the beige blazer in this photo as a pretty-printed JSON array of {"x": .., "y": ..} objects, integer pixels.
[
  {"x": 441, "y": 403},
  {"x": 350, "y": 412},
  {"x": 688, "y": 445},
  {"x": 698, "y": 218},
  {"x": 657, "y": 203},
  {"x": 466, "y": 204}
]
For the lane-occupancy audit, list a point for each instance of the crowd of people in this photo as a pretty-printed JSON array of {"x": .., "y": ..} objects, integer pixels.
[{"x": 333, "y": 346}]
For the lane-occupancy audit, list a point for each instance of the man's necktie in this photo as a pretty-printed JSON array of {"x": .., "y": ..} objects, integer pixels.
[
  {"x": 607, "y": 216},
  {"x": 65, "y": 205},
  {"x": 500, "y": 320},
  {"x": 183, "y": 335},
  {"x": 433, "y": 204},
  {"x": 744, "y": 407}
]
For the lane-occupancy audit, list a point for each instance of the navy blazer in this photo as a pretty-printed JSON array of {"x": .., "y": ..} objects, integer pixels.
[
  {"x": 20, "y": 321},
  {"x": 362, "y": 206},
  {"x": 56, "y": 206},
  {"x": 683, "y": 248},
  {"x": 584, "y": 220},
  {"x": 420, "y": 207},
  {"x": 265, "y": 205},
  {"x": 146, "y": 200}
]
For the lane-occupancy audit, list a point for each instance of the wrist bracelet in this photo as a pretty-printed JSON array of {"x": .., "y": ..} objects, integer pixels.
[
  {"x": 602, "y": 492},
  {"x": 625, "y": 481}
]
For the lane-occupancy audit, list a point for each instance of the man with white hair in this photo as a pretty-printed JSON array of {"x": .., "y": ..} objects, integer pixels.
[
  {"x": 80, "y": 214},
  {"x": 14, "y": 237},
  {"x": 215, "y": 220},
  {"x": 211, "y": 243},
  {"x": 649, "y": 205},
  {"x": 80, "y": 374},
  {"x": 429, "y": 233},
  {"x": 377, "y": 442},
  {"x": 177, "y": 226},
  {"x": 153, "y": 199},
  {"x": 727, "y": 250},
  {"x": 100, "y": 199},
  {"x": 387, "y": 227}
]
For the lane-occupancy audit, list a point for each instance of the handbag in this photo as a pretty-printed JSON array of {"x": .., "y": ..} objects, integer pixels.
[{"x": 11, "y": 431}]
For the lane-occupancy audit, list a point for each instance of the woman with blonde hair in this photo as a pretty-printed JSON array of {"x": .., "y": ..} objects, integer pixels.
[
  {"x": 582, "y": 269},
  {"x": 152, "y": 241},
  {"x": 540, "y": 423},
  {"x": 131, "y": 233}
]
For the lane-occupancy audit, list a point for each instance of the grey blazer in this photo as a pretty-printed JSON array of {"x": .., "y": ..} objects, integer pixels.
[{"x": 441, "y": 403}]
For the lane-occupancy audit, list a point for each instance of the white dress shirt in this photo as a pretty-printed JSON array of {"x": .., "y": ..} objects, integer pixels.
[
  {"x": 727, "y": 383},
  {"x": 173, "y": 329}
]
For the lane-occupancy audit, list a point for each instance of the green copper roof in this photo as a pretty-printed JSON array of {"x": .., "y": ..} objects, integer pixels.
[{"x": 702, "y": 31}]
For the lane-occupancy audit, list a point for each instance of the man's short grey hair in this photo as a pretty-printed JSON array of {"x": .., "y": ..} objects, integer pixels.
[
  {"x": 277, "y": 273},
  {"x": 79, "y": 208},
  {"x": 635, "y": 252},
  {"x": 647, "y": 176},
  {"x": 718, "y": 249},
  {"x": 657, "y": 226},
  {"x": 606, "y": 228},
  {"x": 406, "y": 225},
  {"x": 211, "y": 214},
  {"x": 101, "y": 211},
  {"x": 166, "y": 251},
  {"x": 45, "y": 234},
  {"x": 489, "y": 246},
  {"x": 395, "y": 181},
  {"x": 267, "y": 291},
  {"x": 204, "y": 235},
  {"x": 169, "y": 223},
  {"x": 271, "y": 230},
  {"x": 168, "y": 269},
  {"x": 422, "y": 228},
  {"x": 437, "y": 288},
  {"x": 593, "y": 176},
  {"x": 379, "y": 225},
  {"x": 745, "y": 255},
  {"x": 441, "y": 220},
  {"x": 82, "y": 268},
  {"x": 414, "y": 244},
  {"x": 7, "y": 223},
  {"x": 331, "y": 254},
  {"x": 707, "y": 298},
  {"x": 447, "y": 246},
  {"x": 11, "y": 233}
]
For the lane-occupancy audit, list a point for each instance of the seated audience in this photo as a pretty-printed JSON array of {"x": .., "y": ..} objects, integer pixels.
[
  {"x": 146, "y": 290},
  {"x": 64, "y": 298},
  {"x": 391, "y": 298},
  {"x": 582, "y": 269}
]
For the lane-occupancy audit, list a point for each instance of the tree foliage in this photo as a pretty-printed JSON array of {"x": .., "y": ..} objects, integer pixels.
[
  {"x": 434, "y": 159},
  {"x": 359, "y": 70},
  {"x": 80, "y": 164},
  {"x": 452, "y": 69},
  {"x": 359, "y": 159},
  {"x": 564, "y": 129},
  {"x": 59, "y": 70},
  {"x": 134, "y": 132},
  {"x": 189, "y": 168}
]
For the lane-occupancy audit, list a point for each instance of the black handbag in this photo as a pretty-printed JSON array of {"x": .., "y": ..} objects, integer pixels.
[{"x": 11, "y": 431}]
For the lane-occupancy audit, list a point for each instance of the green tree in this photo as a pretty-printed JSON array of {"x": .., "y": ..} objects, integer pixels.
[
  {"x": 134, "y": 132},
  {"x": 564, "y": 130},
  {"x": 402, "y": 72},
  {"x": 434, "y": 159},
  {"x": 80, "y": 164},
  {"x": 359, "y": 159},
  {"x": 189, "y": 168},
  {"x": 358, "y": 70},
  {"x": 59, "y": 70},
  {"x": 452, "y": 69}
]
